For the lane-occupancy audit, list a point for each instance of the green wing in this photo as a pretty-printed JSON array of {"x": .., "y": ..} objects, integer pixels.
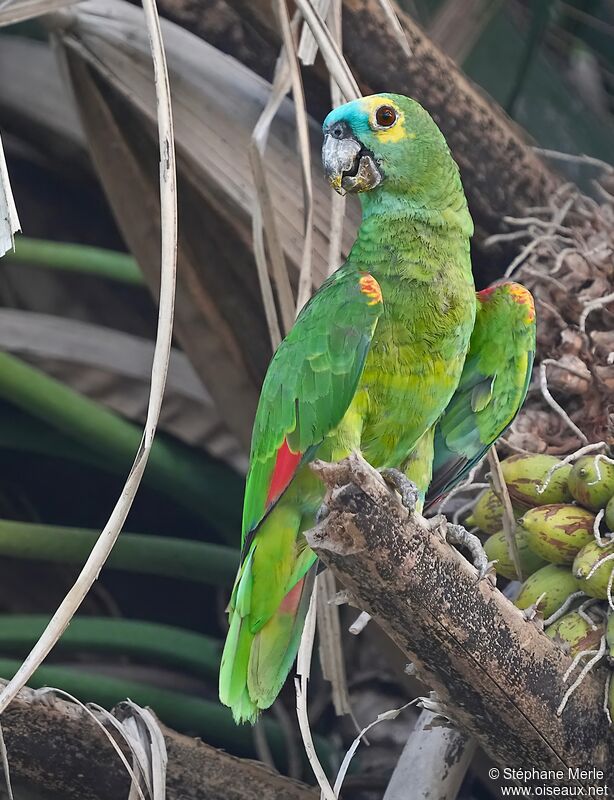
[
  {"x": 309, "y": 386},
  {"x": 492, "y": 387}
]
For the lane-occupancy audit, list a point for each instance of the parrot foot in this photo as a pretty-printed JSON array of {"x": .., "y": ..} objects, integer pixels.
[
  {"x": 406, "y": 488},
  {"x": 456, "y": 534}
]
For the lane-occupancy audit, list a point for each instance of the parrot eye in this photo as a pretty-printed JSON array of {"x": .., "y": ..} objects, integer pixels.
[{"x": 385, "y": 116}]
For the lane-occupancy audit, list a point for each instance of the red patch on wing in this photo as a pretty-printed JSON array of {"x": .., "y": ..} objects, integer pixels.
[
  {"x": 285, "y": 467},
  {"x": 485, "y": 293},
  {"x": 291, "y": 601}
]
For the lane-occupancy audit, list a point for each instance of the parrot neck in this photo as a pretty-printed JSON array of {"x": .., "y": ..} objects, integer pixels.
[
  {"x": 449, "y": 215},
  {"x": 396, "y": 237}
]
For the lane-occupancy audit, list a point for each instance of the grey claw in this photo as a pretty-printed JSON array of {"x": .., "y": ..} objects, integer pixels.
[
  {"x": 488, "y": 571},
  {"x": 406, "y": 488},
  {"x": 456, "y": 534}
]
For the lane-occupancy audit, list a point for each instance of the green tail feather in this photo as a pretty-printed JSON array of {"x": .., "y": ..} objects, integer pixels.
[
  {"x": 254, "y": 667},
  {"x": 267, "y": 611},
  {"x": 233, "y": 671},
  {"x": 275, "y": 648}
]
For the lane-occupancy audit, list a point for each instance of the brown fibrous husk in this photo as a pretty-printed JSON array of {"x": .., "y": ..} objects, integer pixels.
[{"x": 568, "y": 264}]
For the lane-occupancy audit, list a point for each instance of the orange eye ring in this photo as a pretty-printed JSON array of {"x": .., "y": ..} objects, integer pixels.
[{"x": 385, "y": 116}]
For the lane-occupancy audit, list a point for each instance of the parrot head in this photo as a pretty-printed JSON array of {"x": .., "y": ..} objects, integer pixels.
[{"x": 385, "y": 140}]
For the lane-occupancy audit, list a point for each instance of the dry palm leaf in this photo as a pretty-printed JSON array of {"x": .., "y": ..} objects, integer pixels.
[
  {"x": 303, "y": 669},
  {"x": 337, "y": 201},
  {"x": 305, "y": 283},
  {"x": 113, "y": 368},
  {"x": 141, "y": 731},
  {"x": 264, "y": 221},
  {"x": 217, "y": 101},
  {"x": 12, "y": 11},
  {"x": 164, "y": 333},
  {"x": 34, "y": 104},
  {"x": 135, "y": 727},
  {"x": 308, "y": 47},
  {"x": 330, "y": 641},
  {"x": 5, "y": 767}
]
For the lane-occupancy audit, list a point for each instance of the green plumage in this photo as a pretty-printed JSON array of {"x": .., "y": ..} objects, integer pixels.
[
  {"x": 492, "y": 387},
  {"x": 373, "y": 361},
  {"x": 310, "y": 382}
]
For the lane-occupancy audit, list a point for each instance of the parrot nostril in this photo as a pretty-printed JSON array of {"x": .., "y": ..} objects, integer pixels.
[{"x": 338, "y": 131}]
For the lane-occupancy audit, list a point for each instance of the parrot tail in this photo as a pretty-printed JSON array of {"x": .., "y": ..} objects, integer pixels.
[
  {"x": 276, "y": 644},
  {"x": 255, "y": 665},
  {"x": 267, "y": 611},
  {"x": 233, "y": 670}
]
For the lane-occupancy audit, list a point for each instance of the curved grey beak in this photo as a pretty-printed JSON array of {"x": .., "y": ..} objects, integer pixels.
[{"x": 348, "y": 166}]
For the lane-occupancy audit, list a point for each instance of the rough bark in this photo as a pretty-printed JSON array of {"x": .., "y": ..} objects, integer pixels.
[
  {"x": 498, "y": 676},
  {"x": 55, "y": 745},
  {"x": 218, "y": 23},
  {"x": 501, "y": 174}
]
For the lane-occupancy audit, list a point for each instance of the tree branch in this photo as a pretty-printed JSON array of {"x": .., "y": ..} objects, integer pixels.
[
  {"x": 497, "y": 675},
  {"x": 54, "y": 744}
]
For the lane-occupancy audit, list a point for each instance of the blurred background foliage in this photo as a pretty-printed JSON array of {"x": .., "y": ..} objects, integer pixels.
[
  {"x": 550, "y": 64},
  {"x": 77, "y": 318}
]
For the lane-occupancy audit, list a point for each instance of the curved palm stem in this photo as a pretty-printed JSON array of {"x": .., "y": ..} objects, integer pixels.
[
  {"x": 186, "y": 559},
  {"x": 146, "y": 642}
]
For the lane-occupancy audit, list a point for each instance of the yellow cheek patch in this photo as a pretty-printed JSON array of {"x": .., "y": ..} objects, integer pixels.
[
  {"x": 397, "y": 131},
  {"x": 371, "y": 288}
]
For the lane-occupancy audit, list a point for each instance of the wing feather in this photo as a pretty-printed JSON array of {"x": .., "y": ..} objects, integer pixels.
[
  {"x": 492, "y": 387},
  {"x": 309, "y": 386}
]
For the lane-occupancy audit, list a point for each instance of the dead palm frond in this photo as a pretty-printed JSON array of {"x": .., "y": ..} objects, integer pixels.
[
  {"x": 168, "y": 259},
  {"x": 216, "y": 103},
  {"x": 112, "y": 368}
]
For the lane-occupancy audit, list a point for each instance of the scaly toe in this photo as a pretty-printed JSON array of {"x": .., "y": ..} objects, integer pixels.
[
  {"x": 488, "y": 571},
  {"x": 406, "y": 488},
  {"x": 456, "y": 534}
]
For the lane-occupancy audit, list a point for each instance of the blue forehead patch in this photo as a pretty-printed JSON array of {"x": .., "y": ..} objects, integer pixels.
[{"x": 353, "y": 113}]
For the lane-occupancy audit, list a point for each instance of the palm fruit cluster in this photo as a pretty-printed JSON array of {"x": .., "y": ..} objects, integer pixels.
[
  {"x": 564, "y": 524},
  {"x": 565, "y": 540}
]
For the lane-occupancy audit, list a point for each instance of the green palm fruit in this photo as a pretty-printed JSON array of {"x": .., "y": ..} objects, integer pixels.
[
  {"x": 557, "y": 532},
  {"x": 575, "y": 634},
  {"x": 609, "y": 514},
  {"x": 597, "y": 584},
  {"x": 556, "y": 583},
  {"x": 524, "y": 475},
  {"x": 487, "y": 513},
  {"x": 497, "y": 550},
  {"x": 591, "y": 482}
]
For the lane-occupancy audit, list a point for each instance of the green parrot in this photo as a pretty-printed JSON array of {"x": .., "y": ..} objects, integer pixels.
[
  {"x": 371, "y": 365},
  {"x": 492, "y": 388}
]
